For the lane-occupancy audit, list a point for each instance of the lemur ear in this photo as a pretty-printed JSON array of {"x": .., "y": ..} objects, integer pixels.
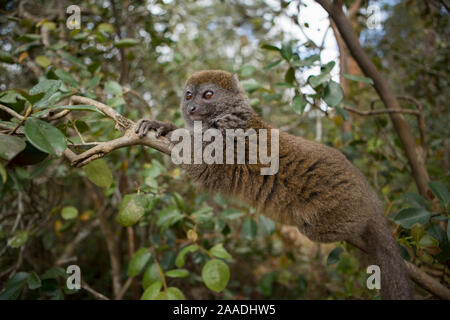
[{"x": 237, "y": 87}]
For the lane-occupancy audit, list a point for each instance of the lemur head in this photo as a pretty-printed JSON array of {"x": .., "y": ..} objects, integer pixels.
[{"x": 209, "y": 95}]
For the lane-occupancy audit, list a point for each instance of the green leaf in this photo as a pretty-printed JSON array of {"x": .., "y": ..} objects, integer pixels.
[
  {"x": 6, "y": 57},
  {"x": 417, "y": 232},
  {"x": 270, "y": 47},
  {"x": 333, "y": 94},
  {"x": 44, "y": 136},
  {"x": 249, "y": 228},
  {"x": 126, "y": 43},
  {"x": 175, "y": 294},
  {"x": 266, "y": 225},
  {"x": 67, "y": 78},
  {"x": 441, "y": 192},
  {"x": 151, "y": 274},
  {"x": 203, "y": 215},
  {"x": 34, "y": 281},
  {"x": 316, "y": 81},
  {"x": 113, "y": 88},
  {"x": 219, "y": 251},
  {"x": 272, "y": 64},
  {"x": 43, "y": 61},
  {"x": 98, "y": 173},
  {"x": 410, "y": 216},
  {"x": 328, "y": 67},
  {"x": 14, "y": 286},
  {"x": 289, "y": 77},
  {"x": 106, "y": 27},
  {"x": 231, "y": 213},
  {"x": 46, "y": 86},
  {"x": 286, "y": 51},
  {"x": 69, "y": 213},
  {"x": 132, "y": 208},
  {"x": 181, "y": 257},
  {"x": 285, "y": 85},
  {"x": 94, "y": 82},
  {"x": 299, "y": 103},
  {"x": 250, "y": 86},
  {"x": 140, "y": 258},
  {"x": 333, "y": 257},
  {"x": 178, "y": 200},
  {"x": 54, "y": 273},
  {"x": 168, "y": 216},
  {"x": 272, "y": 97},
  {"x": 152, "y": 291},
  {"x": 67, "y": 56},
  {"x": 18, "y": 240},
  {"x": 11, "y": 97},
  {"x": 428, "y": 241},
  {"x": 162, "y": 296},
  {"x": 358, "y": 78},
  {"x": 177, "y": 273},
  {"x": 415, "y": 200},
  {"x": 308, "y": 61},
  {"x": 215, "y": 275},
  {"x": 10, "y": 146}
]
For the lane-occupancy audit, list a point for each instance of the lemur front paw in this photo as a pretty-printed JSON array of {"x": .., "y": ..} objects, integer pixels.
[{"x": 144, "y": 126}]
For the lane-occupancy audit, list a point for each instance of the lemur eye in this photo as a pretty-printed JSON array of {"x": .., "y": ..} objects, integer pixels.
[
  {"x": 188, "y": 95},
  {"x": 208, "y": 94}
]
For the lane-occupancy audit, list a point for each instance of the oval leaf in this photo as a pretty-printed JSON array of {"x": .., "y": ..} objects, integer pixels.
[
  {"x": 126, "y": 42},
  {"x": 152, "y": 291},
  {"x": 357, "y": 78},
  {"x": 140, "y": 258},
  {"x": 151, "y": 275},
  {"x": 299, "y": 103},
  {"x": 69, "y": 213},
  {"x": 441, "y": 192},
  {"x": 98, "y": 173},
  {"x": 44, "y": 136},
  {"x": 333, "y": 94},
  {"x": 177, "y": 273},
  {"x": 333, "y": 257},
  {"x": 215, "y": 275},
  {"x": 18, "y": 240},
  {"x": 220, "y": 252},
  {"x": 131, "y": 209},
  {"x": 10, "y": 146},
  {"x": 175, "y": 294},
  {"x": 410, "y": 216}
]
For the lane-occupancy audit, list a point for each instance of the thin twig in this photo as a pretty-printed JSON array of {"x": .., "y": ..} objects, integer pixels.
[
  {"x": 11, "y": 112},
  {"x": 96, "y": 294}
]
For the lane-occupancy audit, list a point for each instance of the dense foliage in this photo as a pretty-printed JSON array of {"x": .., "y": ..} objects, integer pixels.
[{"x": 132, "y": 221}]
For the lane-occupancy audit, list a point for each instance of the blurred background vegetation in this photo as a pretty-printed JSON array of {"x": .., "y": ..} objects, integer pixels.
[{"x": 132, "y": 221}]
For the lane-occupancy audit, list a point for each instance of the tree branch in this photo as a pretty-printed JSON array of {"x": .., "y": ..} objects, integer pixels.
[
  {"x": 96, "y": 294},
  {"x": 413, "y": 151},
  {"x": 129, "y": 137}
]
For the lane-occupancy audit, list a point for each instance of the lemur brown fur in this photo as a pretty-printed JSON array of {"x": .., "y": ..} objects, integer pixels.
[{"x": 316, "y": 188}]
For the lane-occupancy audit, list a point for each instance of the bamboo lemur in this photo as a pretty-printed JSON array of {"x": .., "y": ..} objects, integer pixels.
[{"x": 316, "y": 188}]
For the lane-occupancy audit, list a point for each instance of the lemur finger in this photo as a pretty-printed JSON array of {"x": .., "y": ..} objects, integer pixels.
[
  {"x": 159, "y": 132},
  {"x": 138, "y": 126},
  {"x": 143, "y": 130}
]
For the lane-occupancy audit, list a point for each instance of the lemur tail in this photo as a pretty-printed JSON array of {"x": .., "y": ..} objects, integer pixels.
[{"x": 382, "y": 249}]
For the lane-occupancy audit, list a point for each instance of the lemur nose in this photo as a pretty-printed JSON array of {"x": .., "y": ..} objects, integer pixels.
[{"x": 192, "y": 108}]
